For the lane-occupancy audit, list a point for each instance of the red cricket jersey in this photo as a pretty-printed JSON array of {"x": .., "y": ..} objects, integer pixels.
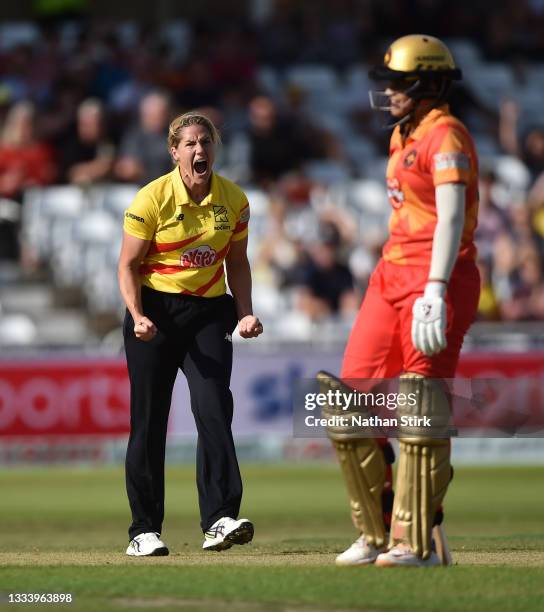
[{"x": 440, "y": 150}]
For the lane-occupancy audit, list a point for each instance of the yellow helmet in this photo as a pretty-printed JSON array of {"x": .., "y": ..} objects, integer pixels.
[{"x": 416, "y": 55}]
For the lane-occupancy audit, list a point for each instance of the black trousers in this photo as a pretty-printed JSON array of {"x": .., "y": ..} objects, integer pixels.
[{"x": 193, "y": 335}]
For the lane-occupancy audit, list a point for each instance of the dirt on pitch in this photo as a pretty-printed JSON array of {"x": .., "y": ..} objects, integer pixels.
[{"x": 493, "y": 559}]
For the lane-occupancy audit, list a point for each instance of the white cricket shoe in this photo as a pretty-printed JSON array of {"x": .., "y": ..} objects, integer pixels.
[
  {"x": 359, "y": 553},
  {"x": 147, "y": 545},
  {"x": 402, "y": 555},
  {"x": 227, "y": 531}
]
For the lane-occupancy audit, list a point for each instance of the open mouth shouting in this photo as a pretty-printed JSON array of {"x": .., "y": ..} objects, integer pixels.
[{"x": 200, "y": 166}]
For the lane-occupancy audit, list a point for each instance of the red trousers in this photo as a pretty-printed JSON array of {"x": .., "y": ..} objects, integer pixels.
[{"x": 380, "y": 343}]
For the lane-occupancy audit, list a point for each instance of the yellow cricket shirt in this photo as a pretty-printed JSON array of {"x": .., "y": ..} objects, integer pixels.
[{"x": 189, "y": 241}]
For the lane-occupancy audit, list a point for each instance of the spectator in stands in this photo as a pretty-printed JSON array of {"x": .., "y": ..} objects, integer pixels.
[
  {"x": 504, "y": 275},
  {"x": 342, "y": 37},
  {"x": 279, "y": 40},
  {"x": 280, "y": 143},
  {"x": 488, "y": 306},
  {"x": 529, "y": 147},
  {"x": 232, "y": 61},
  {"x": 521, "y": 227},
  {"x": 143, "y": 156},
  {"x": 316, "y": 142},
  {"x": 274, "y": 148},
  {"x": 326, "y": 283},
  {"x": 87, "y": 154},
  {"x": 492, "y": 221},
  {"x": 126, "y": 96},
  {"x": 200, "y": 88},
  {"x": 24, "y": 160},
  {"x": 526, "y": 301},
  {"x": 15, "y": 75},
  {"x": 278, "y": 251}
]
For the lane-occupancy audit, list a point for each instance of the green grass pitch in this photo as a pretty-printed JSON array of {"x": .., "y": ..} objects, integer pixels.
[{"x": 65, "y": 531}]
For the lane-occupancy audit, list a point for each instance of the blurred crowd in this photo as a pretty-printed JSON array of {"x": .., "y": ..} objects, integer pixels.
[{"x": 89, "y": 101}]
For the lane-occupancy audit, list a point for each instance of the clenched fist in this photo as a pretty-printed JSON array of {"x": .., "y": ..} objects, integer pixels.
[
  {"x": 250, "y": 327},
  {"x": 145, "y": 329}
]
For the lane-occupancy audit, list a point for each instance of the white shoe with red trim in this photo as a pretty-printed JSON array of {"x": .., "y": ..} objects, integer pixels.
[
  {"x": 359, "y": 553},
  {"x": 402, "y": 555}
]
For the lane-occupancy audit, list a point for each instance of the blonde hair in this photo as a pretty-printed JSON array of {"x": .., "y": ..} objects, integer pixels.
[
  {"x": 187, "y": 119},
  {"x": 11, "y": 130},
  {"x": 90, "y": 105}
]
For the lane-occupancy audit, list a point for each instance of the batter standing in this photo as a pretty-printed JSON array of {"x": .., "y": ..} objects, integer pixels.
[{"x": 420, "y": 302}]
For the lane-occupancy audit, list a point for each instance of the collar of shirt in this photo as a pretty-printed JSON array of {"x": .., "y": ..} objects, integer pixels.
[
  {"x": 182, "y": 195},
  {"x": 424, "y": 125}
]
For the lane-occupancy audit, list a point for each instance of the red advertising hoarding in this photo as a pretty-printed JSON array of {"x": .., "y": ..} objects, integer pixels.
[
  {"x": 90, "y": 397},
  {"x": 64, "y": 397}
]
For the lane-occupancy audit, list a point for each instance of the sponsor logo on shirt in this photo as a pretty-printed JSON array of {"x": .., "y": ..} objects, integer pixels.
[
  {"x": 394, "y": 193},
  {"x": 135, "y": 217},
  {"x": 451, "y": 161},
  {"x": 221, "y": 215},
  {"x": 198, "y": 257}
]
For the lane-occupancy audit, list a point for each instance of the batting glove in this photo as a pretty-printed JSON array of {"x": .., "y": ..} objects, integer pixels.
[{"x": 429, "y": 320}]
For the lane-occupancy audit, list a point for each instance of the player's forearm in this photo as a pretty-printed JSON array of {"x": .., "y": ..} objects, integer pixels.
[
  {"x": 239, "y": 280},
  {"x": 450, "y": 207},
  {"x": 130, "y": 287}
]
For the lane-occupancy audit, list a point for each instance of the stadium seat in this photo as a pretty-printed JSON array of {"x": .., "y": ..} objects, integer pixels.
[
  {"x": 117, "y": 198},
  {"x": 486, "y": 146},
  {"x": 376, "y": 169},
  {"x": 512, "y": 172},
  {"x": 326, "y": 172},
  {"x": 259, "y": 203},
  {"x": 465, "y": 53},
  {"x": 368, "y": 200},
  {"x": 17, "y": 330},
  {"x": 176, "y": 33},
  {"x": 127, "y": 32},
  {"x": 369, "y": 196},
  {"x": 266, "y": 299},
  {"x": 42, "y": 207},
  {"x": 513, "y": 180},
  {"x": 490, "y": 82},
  {"x": 268, "y": 80},
  {"x": 13, "y": 33},
  {"x": 361, "y": 152},
  {"x": 312, "y": 79},
  {"x": 357, "y": 87},
  {"x": 293, "y": 326}
]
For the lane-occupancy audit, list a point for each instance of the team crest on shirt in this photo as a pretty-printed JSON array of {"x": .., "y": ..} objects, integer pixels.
[
  {"x": 221, "y": 216},
  {"x": 202, "y": 256},
  {"x": 394, "y": 192},
  {"x": 220, "y": 213},
  {"x": 410, "y": 158}
]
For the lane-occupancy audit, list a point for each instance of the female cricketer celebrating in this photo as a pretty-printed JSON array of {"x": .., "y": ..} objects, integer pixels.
[
  {"x": 420, "y": 302},
  {"x": 179, "y": 233}
]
